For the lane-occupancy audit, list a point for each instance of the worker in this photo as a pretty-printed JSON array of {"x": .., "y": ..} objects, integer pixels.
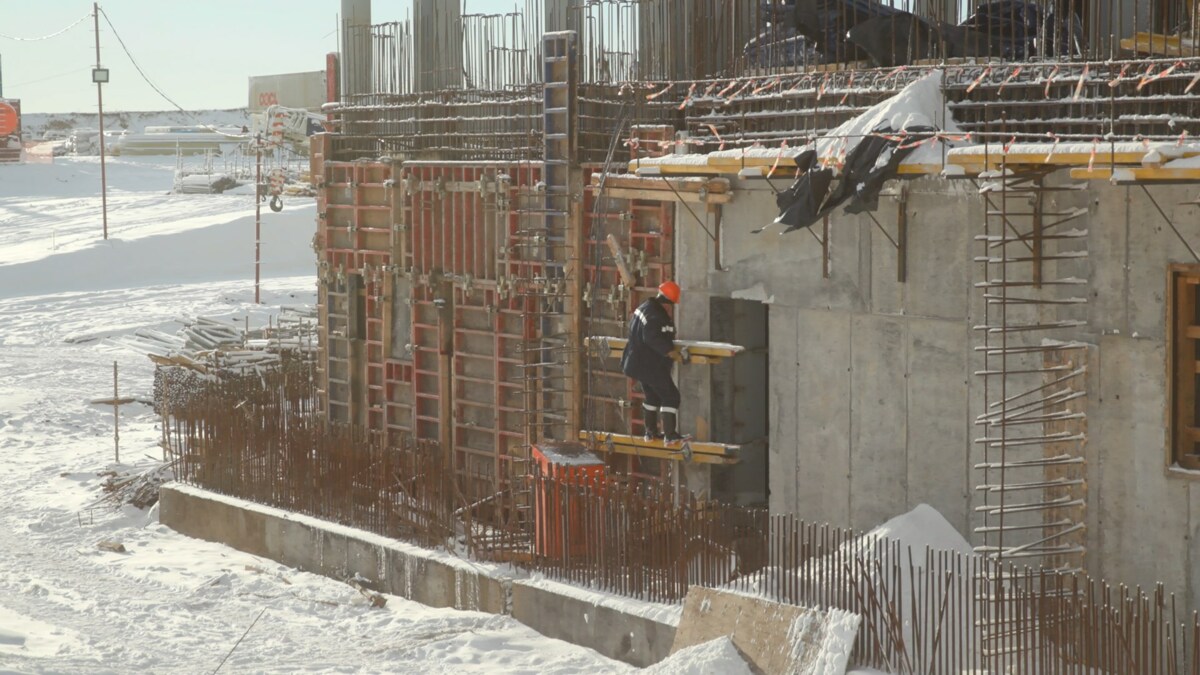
[{"x": 647, "y": 359}]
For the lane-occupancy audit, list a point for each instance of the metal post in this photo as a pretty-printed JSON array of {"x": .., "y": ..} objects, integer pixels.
[
  {"x": 116, "y": 418},
  {"x": 100, "y": 107},
  {"x": 258, "y": 197}
]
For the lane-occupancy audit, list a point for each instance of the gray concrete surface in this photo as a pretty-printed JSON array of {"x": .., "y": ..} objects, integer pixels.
[
  {"x": 339, "y": 552},
  {"x": 635, "y": 640},
  {"x": 872, "y": 389}
]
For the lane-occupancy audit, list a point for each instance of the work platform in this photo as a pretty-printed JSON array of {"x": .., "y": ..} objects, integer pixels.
[{"x": 700, "y": 452}]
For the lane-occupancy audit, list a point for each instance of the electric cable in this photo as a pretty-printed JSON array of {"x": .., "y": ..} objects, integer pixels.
[
  {"x": 160, "y": 91},
  {"x": 78, "y": 21}
]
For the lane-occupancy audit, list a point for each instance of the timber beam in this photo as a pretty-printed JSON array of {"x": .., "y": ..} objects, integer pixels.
[
  {"x": 699, "y": 352},
  {"x": 700, "y": 452}
]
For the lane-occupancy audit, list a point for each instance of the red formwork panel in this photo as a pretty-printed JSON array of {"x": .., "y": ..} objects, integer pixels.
[
  {"x": 490, "y": 332},
  {"x": 561, "y": 518},
  {"x": 426, "y": 374},
  {"x": 462, "y": 217},
  {"x": 645, "y": 229}
]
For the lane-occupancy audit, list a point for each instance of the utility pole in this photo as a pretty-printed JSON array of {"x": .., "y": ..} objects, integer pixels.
[
  {"x": 100, "y": 76},
  {"x": 258, "y": 199}
]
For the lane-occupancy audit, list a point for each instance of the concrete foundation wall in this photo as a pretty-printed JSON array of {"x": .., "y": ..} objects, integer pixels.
[
  {"x": 339, "y": 552},
  {"x": 872, "y": 390}
]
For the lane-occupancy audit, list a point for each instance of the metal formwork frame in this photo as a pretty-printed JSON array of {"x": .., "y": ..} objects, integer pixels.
[{"x": 645, "y": 232}]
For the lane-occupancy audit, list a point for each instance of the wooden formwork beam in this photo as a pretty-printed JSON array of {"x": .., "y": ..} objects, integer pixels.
[
  {"x": 700, "y": 452},
  {"x": 699, "y": 352}
]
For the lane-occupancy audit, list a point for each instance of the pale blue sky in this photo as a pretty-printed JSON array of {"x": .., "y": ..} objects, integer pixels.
[{"x": 199, "y": 52}]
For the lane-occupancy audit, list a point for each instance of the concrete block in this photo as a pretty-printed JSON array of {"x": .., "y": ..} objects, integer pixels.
[
  {"x": 332, "y": 553},
  {"x": 397, "y": 574},
  {"x": 878, "y": 420},
  {"x": 822, "y": 409},
  {"x": 939, "y": 447},
  {"x": 771, "y": 636},
  {"x": 635, "y": 640},
  {"x": 363, "y": 559},
  {"x": 437, "y": 587},
  {"x": 1143, "y": 511},
  {"x": 291, "y": 542}
]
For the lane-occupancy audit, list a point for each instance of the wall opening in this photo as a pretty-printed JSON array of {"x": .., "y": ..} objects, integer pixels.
[
  {"x": 740, "y": 412},
  {"x": 1183, "y": 312}
]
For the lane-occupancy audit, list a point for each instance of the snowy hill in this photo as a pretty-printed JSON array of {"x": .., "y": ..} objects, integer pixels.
[{"x": 36, "y": 124}]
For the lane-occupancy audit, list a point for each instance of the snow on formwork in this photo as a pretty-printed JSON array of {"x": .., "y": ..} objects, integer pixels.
[
  {"x": 1075, "y": 152},
  {"x": 920, "y": 104}
]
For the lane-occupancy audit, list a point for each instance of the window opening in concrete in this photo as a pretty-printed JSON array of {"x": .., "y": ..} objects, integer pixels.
[
  {"x": 740, "y": 412},
  {"x": 1184, "y": 329}
]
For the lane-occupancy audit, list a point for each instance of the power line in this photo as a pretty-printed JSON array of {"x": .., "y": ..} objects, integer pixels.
[
  {"x": 155, "y": 87},
  {"x": 47, "y": 37},
  {"x": 50, "y": 77}
]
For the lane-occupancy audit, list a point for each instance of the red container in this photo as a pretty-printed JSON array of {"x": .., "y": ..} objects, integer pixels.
[{"x": 563, "y": 525}]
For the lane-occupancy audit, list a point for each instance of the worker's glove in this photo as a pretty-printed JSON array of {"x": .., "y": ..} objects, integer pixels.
[{"x": 684, "y": 354}]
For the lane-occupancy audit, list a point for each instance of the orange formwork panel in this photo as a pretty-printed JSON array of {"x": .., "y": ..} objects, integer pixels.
[{"x": 563, "y": 526}]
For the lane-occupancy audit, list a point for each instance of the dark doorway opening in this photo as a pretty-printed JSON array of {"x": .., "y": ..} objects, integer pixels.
[{"x": 740, "y": 400}]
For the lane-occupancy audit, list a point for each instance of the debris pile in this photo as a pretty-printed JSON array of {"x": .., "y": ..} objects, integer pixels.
[
  {"x": 208, "y": 349},
  {"x": 137, "y": 488}
]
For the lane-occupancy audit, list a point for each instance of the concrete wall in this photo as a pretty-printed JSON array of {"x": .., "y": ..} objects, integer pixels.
[
  {"x": 585, "y": 618},
  {"x": 872, "y": 390}
]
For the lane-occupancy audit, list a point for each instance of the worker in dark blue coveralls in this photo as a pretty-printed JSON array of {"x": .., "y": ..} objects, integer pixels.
[{"x": 647, "y": 359}]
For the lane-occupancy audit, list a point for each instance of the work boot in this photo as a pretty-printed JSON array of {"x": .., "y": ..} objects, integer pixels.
[
  {"x": 650, "y": 420},
  {"x": 670, "y": 427}
]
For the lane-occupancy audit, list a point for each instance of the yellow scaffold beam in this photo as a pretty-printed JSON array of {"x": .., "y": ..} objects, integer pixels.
[
  {"x": 699, "y": 352},
  {"x": 1158, "y": 44},
  {"x": 701, "y": 452},
  {"x": 1138, "y": 175}
]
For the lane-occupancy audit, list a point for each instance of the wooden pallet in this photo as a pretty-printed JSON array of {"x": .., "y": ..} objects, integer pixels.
[{"x": 701, "y": 452}]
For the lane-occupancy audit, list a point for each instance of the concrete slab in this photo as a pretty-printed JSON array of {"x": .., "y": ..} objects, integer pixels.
[
  {"x": 942, "y": 223},
  {"x": 638, "y": 641},
  {"x": 783, "y": 392},
  {"x": 772, "y": 637},
  {"x": 878, "y": 420},
  {"x": 822, "y": 409},
  {"x": 1143, "y": 511},
  {"x": 939, "y": 447}
]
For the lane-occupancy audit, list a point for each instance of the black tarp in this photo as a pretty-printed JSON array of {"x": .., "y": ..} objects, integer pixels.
[
  {"x": 816, "y": 192},
  {"x": 1012, "y": 29},
  {"x": 896, "y": 39},
  {"x": 1019, "y": 29},
  {"x": 826, "y": 22}
]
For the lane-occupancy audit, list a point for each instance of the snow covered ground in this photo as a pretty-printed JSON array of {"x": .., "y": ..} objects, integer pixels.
[
  {"x": 170, "y": 604},
  {"x": 34, "y": 125}
]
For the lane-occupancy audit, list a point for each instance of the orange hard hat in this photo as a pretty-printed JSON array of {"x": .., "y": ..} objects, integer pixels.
[{"x": 670, "y": 291}]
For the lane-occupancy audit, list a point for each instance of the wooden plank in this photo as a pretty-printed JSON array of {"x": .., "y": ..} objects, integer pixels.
[
  {"x": 666, "y": 195},
  {"x": 619, "y": 259},
  {"x": 699, "y": 351},
  {"x": 704, "y": 452},
  {"x": 773, "y": 637},
  {"x": 686, "y": 184},
  {"x": 1145, "y": 42}
]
